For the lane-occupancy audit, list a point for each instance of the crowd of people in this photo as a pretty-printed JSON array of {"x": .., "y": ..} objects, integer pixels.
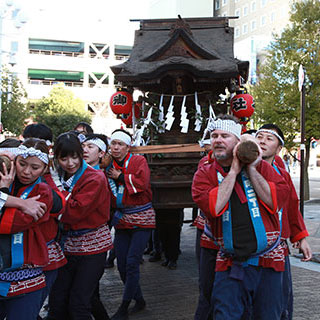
[
  {"x": 56, "y": 220},
  {"x": 60, "y": 200}
]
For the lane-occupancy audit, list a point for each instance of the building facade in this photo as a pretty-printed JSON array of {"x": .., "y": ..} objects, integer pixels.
[
  {"x": 82, "y": 67},
  {"x": 255, "y": 23}
]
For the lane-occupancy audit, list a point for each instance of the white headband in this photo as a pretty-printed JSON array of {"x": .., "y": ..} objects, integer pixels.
[
  {"x": 272, "y": 132},
  {"x": 26, "y": 152},
  {"x": 119, "y": 135},
  {"x": 81, "y": 137},
  {"x": 14, "y": 151},
  {"x": 98, "y": 142},
  {"x": 226, "y": 125}
]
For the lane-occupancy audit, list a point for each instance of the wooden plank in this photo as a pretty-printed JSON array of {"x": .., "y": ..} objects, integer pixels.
[{"x": 167, "y": 148}]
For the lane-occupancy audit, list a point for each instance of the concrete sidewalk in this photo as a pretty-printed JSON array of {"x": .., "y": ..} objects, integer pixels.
[{"x": 173, "y": 294}]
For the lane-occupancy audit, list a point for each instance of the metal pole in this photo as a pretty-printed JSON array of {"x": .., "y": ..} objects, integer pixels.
[{"x": 302, "y": 146}]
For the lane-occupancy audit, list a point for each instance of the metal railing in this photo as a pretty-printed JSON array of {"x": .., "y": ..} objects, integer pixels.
[
  {"x": 72, "y": 54},
  {"x": 75, "y": 84}
]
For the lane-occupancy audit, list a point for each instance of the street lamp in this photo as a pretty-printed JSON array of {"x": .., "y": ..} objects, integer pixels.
[{"x": 18, "y": 20}]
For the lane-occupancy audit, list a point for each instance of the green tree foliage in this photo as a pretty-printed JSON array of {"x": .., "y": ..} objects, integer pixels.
[
  {"x": 14, "y": 109},
  {"x": 61, "y": 110},
  {"x": 277, "y": 96}
]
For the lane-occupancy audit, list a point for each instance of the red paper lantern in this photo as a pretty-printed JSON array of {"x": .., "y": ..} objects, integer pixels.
[
  {"x": 127, "y": 118},
  {"x": 242, "y": 105},
  {"x": 121, "y": 102}
]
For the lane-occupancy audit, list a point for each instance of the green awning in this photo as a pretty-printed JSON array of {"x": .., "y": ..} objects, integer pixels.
[
  {"x": 123, "y": 50},
  {"x": 55, "y": 75},
  {"x": 54, "y": 45}
]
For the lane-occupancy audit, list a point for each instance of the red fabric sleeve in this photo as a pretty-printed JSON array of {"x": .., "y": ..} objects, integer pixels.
[
  {"x": 297, "y": 226},
  {"x": 213, "y": 195},
  {"x": 7, "y": 220},
  {"x": 138, "y": 179},
  {"x": 14, "y": 220},
  {"x": 274, "y": 199},
  {"x": 204, "y": 182},
  {"x": 300, "y": 236},
  {"x": 278, "y": 186}
]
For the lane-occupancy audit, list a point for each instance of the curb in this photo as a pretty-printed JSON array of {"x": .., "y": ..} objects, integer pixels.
[
  {"x": 312, "y": 202},
  {"x": 315, "y": 257}
]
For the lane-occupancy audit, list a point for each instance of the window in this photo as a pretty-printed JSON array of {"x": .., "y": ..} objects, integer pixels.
[
  {"x": 273, "y": 16},
  {"x": 253, "y": 25},
  {"x": 217, "y": 4},
  {"x": 245, "y": 28},
  {"x": 237, "y": 13},
  {"x": 237, "y": 32},
  {"x": 263, "y": 3},
  {"x": 253, "y": 6},
  {"x": 224, "y": 2},
  {"x": 245, "y": 10},
  {"x": 263, "y": 21}
]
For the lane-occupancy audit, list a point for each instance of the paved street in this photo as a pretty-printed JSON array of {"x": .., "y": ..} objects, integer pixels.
[{"x": 173, "y": 294}]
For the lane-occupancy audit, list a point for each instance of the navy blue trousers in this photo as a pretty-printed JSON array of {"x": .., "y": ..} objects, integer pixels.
[
  {"x": 129, "y": 245},
  {"x": 261, "y": 291},
  {"x": 24, "y": 307},
  {"x": 287, "y": 292},
  {"x": 51, "y": 277},
  {"x": 71, "y": 294},
  {"x": 198, "y": 248},
  {"x": 206, "y": 279}
]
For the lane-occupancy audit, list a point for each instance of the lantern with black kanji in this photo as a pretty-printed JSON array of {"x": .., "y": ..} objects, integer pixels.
[
  {"x": 242, "y": 105},
  {"x": 121, "y": 102}
]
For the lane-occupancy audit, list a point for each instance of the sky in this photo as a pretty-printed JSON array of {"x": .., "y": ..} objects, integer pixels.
[{"x": 97, "y": 19}]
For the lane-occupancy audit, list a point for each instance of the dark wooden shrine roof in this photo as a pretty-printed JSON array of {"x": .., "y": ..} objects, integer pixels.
[{"x": 203, "y": 47}]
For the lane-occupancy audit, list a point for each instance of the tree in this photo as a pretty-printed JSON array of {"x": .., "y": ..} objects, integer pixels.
[
  {"x": 14, "y": 111},
  {"x": 61, "y": 110},
  {"x": 276, "y": 95}
]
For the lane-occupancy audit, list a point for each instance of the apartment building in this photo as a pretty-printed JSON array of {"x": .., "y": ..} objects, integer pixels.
[
  {"x": 74, "y": 50},
  {"x": 254, "y": 23},
  {"x": 82, "y": 67}
]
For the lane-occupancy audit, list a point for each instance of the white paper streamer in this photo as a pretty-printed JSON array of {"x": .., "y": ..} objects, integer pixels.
[
  {"x": 198, "y": 121},
  {"x": 169, "y": 116},
  {"x": 184, "y": 122},
  {"x": 161, "y": 110}
]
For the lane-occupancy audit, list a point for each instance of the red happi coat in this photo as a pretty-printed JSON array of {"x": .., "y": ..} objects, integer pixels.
[
  {"x": 35, "y": 249},
  {"x": 137, "y": 192},
  {"x": 57, "y": 258},
  {"x": 205, "y": 191},
  {"x": 88, "y": 207},
  {"x": 199, "y": 221},
  {"x": 293, "y": 226}
]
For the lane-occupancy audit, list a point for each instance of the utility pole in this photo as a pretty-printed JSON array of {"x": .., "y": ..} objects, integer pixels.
[{"x": 302, "y": 90}]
